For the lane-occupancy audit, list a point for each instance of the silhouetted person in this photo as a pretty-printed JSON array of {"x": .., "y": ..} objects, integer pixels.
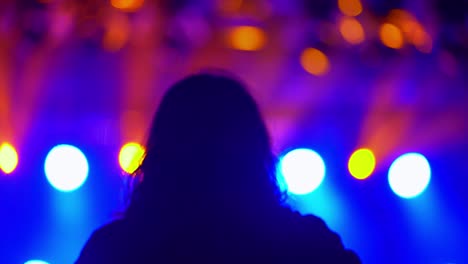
[{"x": 209, "y": 192}]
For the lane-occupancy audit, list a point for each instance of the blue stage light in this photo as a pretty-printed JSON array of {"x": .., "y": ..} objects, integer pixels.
[
  {"x": 66, "y": 168},
  {"x": 301, "y": 171}
]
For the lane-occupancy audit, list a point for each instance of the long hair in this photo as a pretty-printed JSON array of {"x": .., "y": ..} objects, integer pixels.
[{"x": 208, "y": 151}]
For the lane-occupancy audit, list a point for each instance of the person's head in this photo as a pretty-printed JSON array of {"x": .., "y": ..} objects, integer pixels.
[{"x": 208, "y": 148}]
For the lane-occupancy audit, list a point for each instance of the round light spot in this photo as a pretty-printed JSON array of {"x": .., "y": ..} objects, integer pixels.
[
  {"x": 409, "y": 175},
  {"x": 8, "y": 158},
  {"x": 301, "y": 171},
  {"x": 130, "y": 157},
  {"x": 127, "y": 5},
  {"x": 350, "y": 7},
  {"x": 391, "y": 36},
  {"x": 314, "y": 61},
  {"x": 247, "y": 38},
  {"x": 361, "y": 164},
  {"x": 351, "y": 30},
  {"x": 35, "y": 261},
  {"x": 66, "y": 168}
]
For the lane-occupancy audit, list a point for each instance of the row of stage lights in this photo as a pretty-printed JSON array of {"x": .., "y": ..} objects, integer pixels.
[{"x": 299, "y": 172}]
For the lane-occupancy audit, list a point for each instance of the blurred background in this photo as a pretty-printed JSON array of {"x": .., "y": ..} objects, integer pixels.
[{"x": 366, "y": 102}]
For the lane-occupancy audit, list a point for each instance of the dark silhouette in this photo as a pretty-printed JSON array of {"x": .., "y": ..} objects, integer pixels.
[{"x": 209, "y": 193}]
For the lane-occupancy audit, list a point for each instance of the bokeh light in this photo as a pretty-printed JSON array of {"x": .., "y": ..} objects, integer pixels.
[
  {"x": 301, "y": 171},
  {"x": 35, "y": 261},
  {"x": 117, "y": 32},
  {"x": 421, "y": 40},
  {"x": 361, "y": 164},
  {"x": 247, "y": 38},
  {"x": 351, "y": 30},
  {"x": 127, "y": 5},
  {"x": 350, "y": 7},
  {"x": 314, "y": 61},
  {"x": 8, "y": 158},
  {"x": 396, "y": 15},
  {"x": 229, "y": 6},
  {"x": 412, "y": 29},
  {"x": 66, "y": 168},
  {"x": 409, "y": 175},
  {"x": 391, "y": 36},
  {"x": 130, "y": 156}
]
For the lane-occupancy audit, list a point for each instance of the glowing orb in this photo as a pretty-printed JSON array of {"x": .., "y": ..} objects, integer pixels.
[
  {"x": 391, "y": 36},
  {"x": 350, "y": 7},
  {"x": 36, "y": 262},
  {"x": 127, "y": 5},
  {"x": 247, "y": 38},
  {"x": 361, "y": 164},
  {"x": 409, "y": 175},
  {"x": 315, "y": 61},
  {"x": 8, "y": 158},
  {"x": 352, "y": 30},
  {"x": 66, "y": 168},
  {"x": 302, "y": 171},
  {"x": 130, "y": 157}
]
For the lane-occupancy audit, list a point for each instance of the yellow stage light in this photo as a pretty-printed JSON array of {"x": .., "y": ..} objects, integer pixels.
[
  {"x": 361, "y": 164},
  {"x": 8, "y": 158},
  {"x": 130, "y": 157}
]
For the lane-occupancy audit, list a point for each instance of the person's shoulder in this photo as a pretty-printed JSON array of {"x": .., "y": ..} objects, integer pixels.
[
  {"x": 113, "y": 228},
  {"x": 312, "y": 224},
  {"x": 111, "y": 233},
  {"x": 295, "y": 220},
  {"x": 314, "y": 238},
  {"x": 105, "y": 242}
]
